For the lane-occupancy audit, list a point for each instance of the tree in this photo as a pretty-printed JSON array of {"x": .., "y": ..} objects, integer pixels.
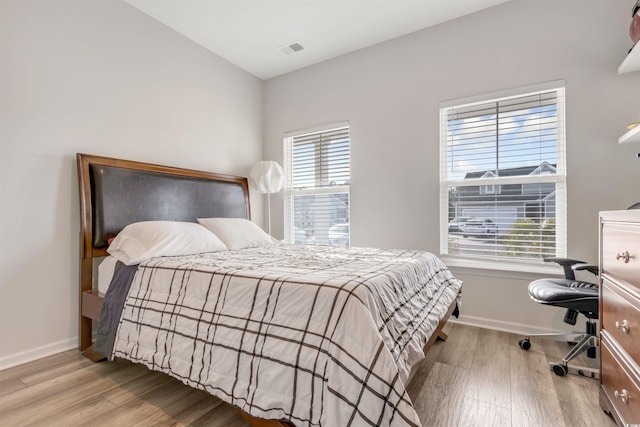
[{"x": 529, "y": 238}]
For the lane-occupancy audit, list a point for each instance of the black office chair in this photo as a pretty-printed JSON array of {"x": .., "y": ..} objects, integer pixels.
[{"x": 577, "y": 297}]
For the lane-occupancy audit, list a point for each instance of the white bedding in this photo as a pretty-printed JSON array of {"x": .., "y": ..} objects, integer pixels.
[
  {"x": 105, "y": 273},
  {"x": 315, "y": 335}
]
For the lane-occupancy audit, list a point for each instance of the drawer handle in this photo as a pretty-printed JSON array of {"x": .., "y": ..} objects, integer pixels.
[
  {"x": 623, "y": 395},
  {"x": 624, "y": 255},
  {"x": 624, "y": 326}
]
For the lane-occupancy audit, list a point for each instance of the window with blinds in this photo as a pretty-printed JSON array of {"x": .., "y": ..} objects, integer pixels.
[
  {"x": 502, "y": 176},
  {"x": 317, "y": 166}
]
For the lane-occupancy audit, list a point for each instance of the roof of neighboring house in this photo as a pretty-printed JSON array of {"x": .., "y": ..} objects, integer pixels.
[
  {"x": 505, "y": 200},
  {"x": 519, "y": 171}
]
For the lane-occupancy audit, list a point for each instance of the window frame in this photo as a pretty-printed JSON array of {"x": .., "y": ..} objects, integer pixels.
[
  {"x": 290, "y": 192},
  {"x": 559, "y": 179}
]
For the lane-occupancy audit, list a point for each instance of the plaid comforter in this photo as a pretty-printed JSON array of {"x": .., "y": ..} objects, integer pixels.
[{"x": 315, "y": 335}]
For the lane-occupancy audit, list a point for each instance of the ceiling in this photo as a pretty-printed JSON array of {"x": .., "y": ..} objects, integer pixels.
[{"x": 251, "y": 33}]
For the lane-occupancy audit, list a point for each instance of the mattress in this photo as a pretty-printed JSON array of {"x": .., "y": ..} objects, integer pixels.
[{"x": 105, "y": 273}]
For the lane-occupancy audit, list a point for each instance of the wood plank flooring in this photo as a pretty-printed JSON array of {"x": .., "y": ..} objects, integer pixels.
[{"x": 477, "y": 377}]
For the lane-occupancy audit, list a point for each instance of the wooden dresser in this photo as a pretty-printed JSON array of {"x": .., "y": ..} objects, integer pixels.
[{"x": 620, "y": 315}]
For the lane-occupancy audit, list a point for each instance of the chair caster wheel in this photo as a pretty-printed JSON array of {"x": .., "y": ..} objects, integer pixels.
[
  {"x": 560, "y": 370},
  {"x": 525, "y": 344}
]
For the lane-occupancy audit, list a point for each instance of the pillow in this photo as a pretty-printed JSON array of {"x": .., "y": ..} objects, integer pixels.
[
  {"x": 237, "y": 233},
  {"x": 140, "y": 241}
]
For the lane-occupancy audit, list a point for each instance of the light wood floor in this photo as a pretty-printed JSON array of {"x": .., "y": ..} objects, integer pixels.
[{"x": 477, "y": 377}]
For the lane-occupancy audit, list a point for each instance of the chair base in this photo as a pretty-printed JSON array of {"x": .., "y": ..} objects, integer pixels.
[
  {"x": 584, "y": 342},
  {"x": 563, "y": 369}
]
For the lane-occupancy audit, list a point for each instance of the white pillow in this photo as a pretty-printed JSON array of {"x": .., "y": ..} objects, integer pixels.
[
  {"x": 140, "y": 241},
  {"x": 237, "y": 233}
]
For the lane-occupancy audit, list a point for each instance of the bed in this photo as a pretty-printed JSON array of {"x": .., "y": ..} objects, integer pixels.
[{"x": 289, "y": 335}]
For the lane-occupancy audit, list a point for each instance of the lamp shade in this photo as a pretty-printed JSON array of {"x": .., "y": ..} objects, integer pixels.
[{"x": 267, "y": 177}]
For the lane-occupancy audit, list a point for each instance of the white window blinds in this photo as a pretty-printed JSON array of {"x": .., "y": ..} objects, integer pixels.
[
  {"x": 503, "y": 176},
  {"x": 317, "y": 165}
]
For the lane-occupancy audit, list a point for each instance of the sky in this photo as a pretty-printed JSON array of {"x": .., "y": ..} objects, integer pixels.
[{"x": 479, "y": 138}]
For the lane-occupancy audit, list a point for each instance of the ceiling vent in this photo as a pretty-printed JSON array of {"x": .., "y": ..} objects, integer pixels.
[{"x": 292, "y": 48}]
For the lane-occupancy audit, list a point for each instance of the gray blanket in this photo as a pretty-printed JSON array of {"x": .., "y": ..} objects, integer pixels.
[{"x": 112, "y": 308}]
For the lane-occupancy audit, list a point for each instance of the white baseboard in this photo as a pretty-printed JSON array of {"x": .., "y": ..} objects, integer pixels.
[
  {"x": 37, "y": 353},
  {"x": 498, "y": 325}
]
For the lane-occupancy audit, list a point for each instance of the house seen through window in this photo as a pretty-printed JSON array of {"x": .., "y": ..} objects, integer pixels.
[
  {"x": 502, "y": 175},
  {"x": 317, "y": 166}
]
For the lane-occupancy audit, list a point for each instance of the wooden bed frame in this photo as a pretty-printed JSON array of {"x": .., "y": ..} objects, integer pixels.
[{"x": 115, "y": 193}]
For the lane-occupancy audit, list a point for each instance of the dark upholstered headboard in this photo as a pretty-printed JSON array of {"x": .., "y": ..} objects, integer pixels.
[{"x": 115, "y": 193}]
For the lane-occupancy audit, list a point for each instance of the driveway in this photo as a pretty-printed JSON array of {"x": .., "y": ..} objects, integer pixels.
[{"x": 474, "y": 245}]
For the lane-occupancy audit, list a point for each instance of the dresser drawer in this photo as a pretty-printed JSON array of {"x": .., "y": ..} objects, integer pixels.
[
  {"x": 621, "y": 252},
  {"x": 621, "y": 318},
  {"x": 620, "y": 382}
]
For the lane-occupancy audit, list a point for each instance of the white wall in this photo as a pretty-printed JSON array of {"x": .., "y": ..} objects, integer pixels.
[
  {"x": 97, "y": 77},
  {"x": 391, "y": 92}
]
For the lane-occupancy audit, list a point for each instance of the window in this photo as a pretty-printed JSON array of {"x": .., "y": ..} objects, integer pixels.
[
  {"x": 489, "y": 189},
  {"x": 317, "y": 166},
  {"x": 502, "y": 167}
]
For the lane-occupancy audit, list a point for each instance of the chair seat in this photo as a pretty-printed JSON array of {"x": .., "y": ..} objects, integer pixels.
[{"x": 573, "y": 294}]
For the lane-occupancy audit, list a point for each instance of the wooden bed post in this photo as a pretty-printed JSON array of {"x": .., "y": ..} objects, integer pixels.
[
  {"x": 85, "y": 326},
  {"x": 86, "y": 260}
]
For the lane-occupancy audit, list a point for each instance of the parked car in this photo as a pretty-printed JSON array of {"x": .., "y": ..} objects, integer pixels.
[
  {"x": 479, "y": 228},
  {"x": 456, "y": 223},
  {"x": 339, "y": 235}
]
